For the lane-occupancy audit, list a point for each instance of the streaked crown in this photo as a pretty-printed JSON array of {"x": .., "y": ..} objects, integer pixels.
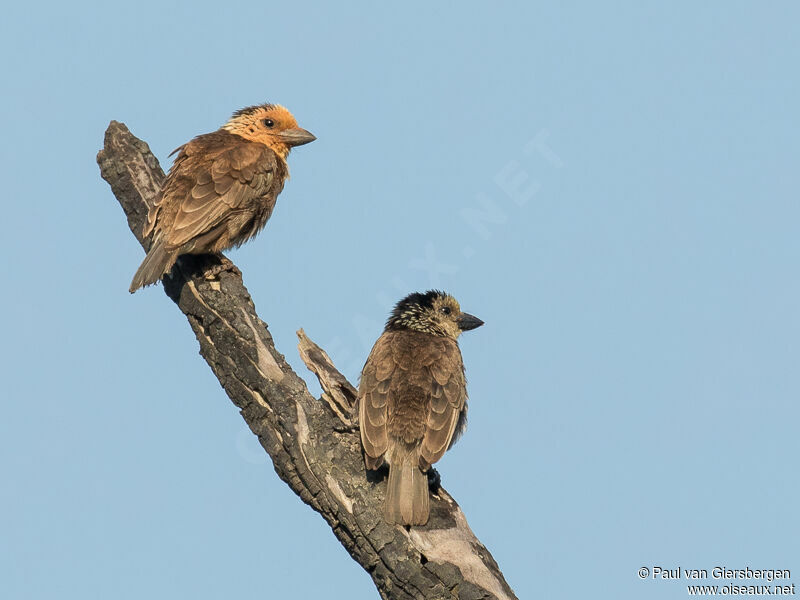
[{"x": 434, "y": 312}]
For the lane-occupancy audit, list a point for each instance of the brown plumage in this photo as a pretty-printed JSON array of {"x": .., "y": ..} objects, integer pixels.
[
  {"x": 221, "y": 189},
  {"x": 412, "y": 398}
]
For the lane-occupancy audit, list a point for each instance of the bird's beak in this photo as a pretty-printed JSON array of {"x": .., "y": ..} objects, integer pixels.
[
  {"x": 467, "y": 321},
  {"x": 296, "y": 137}
]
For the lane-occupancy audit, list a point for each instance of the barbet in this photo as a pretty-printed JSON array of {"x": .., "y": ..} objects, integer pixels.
[
  {"x": 413, "y": 398},
  {"x": 222, "y": 188}
]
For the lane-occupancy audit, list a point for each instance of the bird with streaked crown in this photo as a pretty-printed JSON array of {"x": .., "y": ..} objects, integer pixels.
[
  {"x": 412, "y": 398},
  {"x": 221, "y": 189}
]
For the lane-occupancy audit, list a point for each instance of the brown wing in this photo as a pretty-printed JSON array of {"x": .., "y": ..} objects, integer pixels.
[
  {"x": 373, "y": 390},
  {"x": 448, "y": 400},
  {"x": 214, "y": 176},
  {"x": 408, "y": 374}
]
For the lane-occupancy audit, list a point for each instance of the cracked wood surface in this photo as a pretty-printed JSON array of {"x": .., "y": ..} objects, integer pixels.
[{"x": 313, "y": 443}]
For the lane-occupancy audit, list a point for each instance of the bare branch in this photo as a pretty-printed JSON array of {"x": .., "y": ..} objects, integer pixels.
[
  {"x": 337, "y": 391},
  {"x": 311, "y": 452}
]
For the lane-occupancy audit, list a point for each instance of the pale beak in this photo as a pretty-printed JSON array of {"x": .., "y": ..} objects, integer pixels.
[{"x": 296, "y": 137}]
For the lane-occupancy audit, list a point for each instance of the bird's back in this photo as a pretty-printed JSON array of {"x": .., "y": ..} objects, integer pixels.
[
  {"x": 220, "y": 192},
  {"x": 413, "y": 390}
]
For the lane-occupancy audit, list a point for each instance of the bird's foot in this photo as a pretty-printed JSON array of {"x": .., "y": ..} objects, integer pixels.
[
  {"x": 434, "y": 480},
  {"x": 225, "y": 264}
]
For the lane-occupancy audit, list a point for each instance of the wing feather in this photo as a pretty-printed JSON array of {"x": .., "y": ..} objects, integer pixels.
[
  {"x": 373, "y": 394},
  {"x": 211, "y": 181},
  {"x": 448, "y": 404}
]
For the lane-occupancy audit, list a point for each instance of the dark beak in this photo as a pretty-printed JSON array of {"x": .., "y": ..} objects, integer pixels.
[
  {"x": 466, "y": 322},
  {"x": 296, "y": 137}
]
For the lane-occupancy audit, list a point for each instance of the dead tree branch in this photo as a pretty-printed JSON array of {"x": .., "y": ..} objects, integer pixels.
[{"x": 313, "y": 443}]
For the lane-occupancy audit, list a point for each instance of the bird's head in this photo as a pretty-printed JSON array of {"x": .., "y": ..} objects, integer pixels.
[
  {"x": 431, "y": 312},
  {"x": 269, "y": 124}
]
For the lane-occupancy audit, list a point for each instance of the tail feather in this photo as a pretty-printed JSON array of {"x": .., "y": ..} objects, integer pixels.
[
  {"x": 155, "y": 265},
  {"x": 407, "y": 501}
]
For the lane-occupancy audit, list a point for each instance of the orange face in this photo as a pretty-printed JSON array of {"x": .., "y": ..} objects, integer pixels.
[{"x": 271, "y": 125}]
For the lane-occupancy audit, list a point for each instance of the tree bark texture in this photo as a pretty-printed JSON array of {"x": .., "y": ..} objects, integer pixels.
[{"x": 314, "y": 443}]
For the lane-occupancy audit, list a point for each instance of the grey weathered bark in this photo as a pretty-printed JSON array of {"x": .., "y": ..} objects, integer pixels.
[{"x": 313, "y": 444}]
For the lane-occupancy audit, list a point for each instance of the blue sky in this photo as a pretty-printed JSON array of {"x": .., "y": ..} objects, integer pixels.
[{"x": 614, "y": 192}]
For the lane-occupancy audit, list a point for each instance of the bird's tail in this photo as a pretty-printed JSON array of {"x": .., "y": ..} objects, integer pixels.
[
  {"x": 407, "y": 501},
  {"x": 154, "y": 266}
]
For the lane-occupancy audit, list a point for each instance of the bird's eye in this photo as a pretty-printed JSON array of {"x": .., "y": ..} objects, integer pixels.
[
  {"x": 269, "y": 123},
  {"x": 445, "y": 310}
]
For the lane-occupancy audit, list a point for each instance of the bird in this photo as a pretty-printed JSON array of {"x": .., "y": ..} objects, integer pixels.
[
  {"x": 221, "y": 189},
  {"x": 412, "y": 398}
]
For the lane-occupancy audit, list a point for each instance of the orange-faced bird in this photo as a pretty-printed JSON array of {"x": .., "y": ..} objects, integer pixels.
[
  {"x": 222, "y": 188},
  {"x": 412, "y": 398}
]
